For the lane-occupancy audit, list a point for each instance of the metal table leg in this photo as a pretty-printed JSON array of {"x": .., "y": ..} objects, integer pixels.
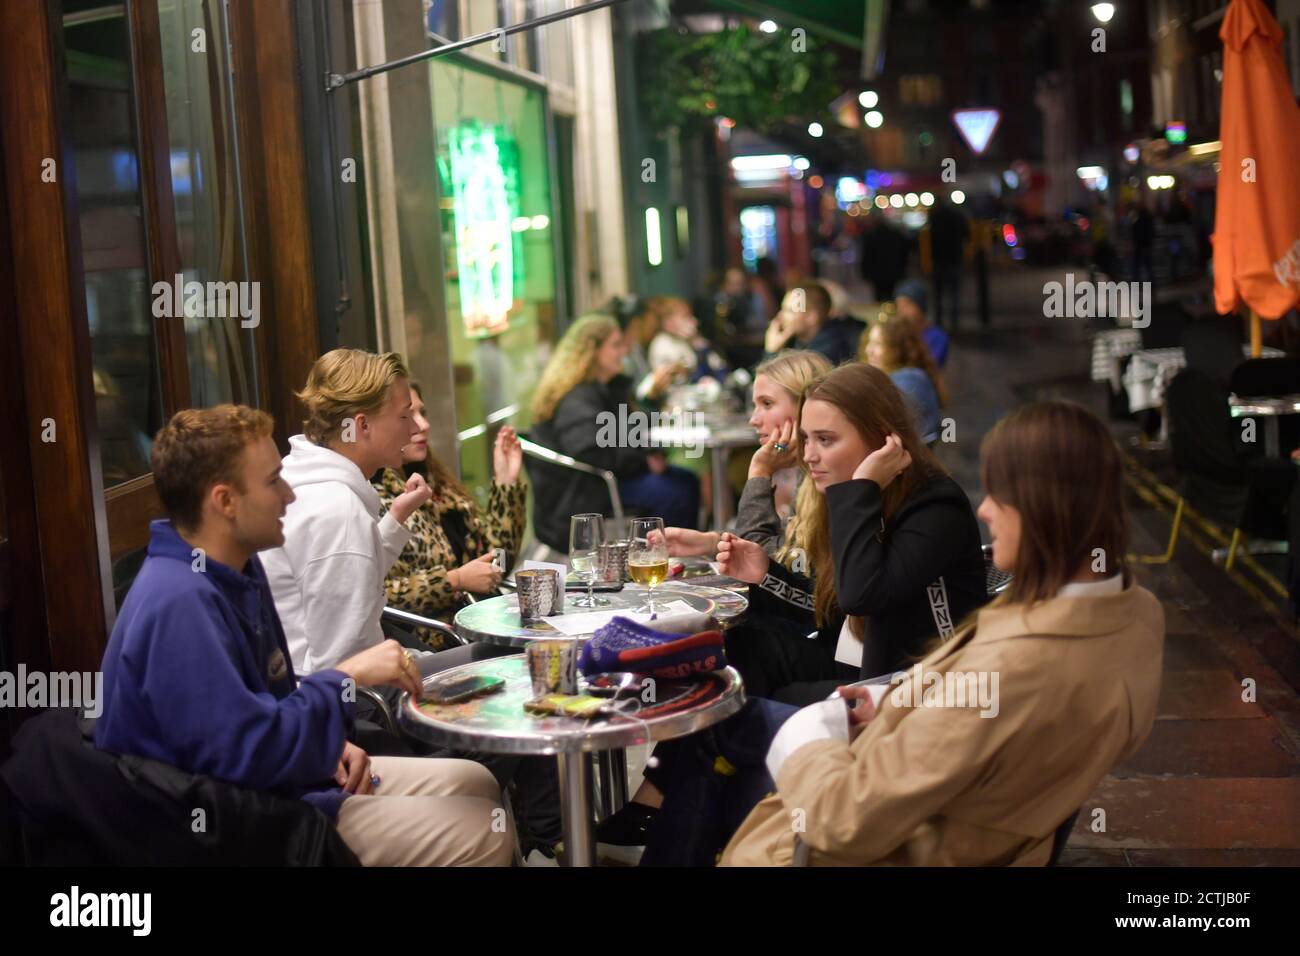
[
  {"x": 1272, "y": 443},
  {"x": 575, "y": 810}
]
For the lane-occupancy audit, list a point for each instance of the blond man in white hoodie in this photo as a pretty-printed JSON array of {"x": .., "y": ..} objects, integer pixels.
[{"x": 328, "y": 577}]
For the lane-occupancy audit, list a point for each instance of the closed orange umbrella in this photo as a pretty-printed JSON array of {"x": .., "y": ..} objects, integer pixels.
[{"x": 1257, "y": 217}]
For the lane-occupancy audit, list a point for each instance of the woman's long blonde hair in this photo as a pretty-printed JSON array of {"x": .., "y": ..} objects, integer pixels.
[
  {"x": 796, "y": 370},
  {"x": 573, "y": 363},
  {"x": 874, "y": 407},
  {"x": 904, "y": 343}
]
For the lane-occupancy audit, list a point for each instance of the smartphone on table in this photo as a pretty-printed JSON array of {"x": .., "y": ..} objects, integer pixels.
[{"x": 455, "y": 689}]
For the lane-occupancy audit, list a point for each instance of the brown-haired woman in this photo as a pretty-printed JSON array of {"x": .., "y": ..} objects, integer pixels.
[
  {"x": 451, "y": 550},
  {"x": 894, "y": 346},
  {"x": 1076, "y": 647}
]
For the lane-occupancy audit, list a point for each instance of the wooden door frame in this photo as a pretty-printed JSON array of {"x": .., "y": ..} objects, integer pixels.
[{"x": 51, "y": 356}]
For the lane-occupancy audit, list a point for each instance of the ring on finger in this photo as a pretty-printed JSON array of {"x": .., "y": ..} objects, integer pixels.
[{"x": 781, "y": 447}]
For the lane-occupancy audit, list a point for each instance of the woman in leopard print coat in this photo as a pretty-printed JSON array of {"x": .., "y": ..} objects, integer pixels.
[{"x": 452, "y": 548}]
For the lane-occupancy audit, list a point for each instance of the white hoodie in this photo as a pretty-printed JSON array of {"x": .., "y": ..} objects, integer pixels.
[{"x": 328, "y": 578}]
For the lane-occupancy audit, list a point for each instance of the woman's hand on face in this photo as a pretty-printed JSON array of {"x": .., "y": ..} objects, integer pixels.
[
  {"x": 689, "y": 543},
  {"x": 741, "y": 559},
  {"x": 767, "y": 461},
  {"x": 507, "y": 456},
  {"x": 884, "y": 464}
]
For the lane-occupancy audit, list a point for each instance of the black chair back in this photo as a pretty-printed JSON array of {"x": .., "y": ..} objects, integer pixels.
[
  {"x": 1201, "y": 432},
  {"x": 1213, "y": 346},
  {"x": 1266, "y": 376}
]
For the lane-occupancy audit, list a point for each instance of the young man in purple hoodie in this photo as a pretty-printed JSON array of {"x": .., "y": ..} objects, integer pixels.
[{"x": 197, "y": 672}]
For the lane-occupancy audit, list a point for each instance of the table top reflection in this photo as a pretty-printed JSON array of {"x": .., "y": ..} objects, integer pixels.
[
  {"x": 497, "y": 723},
  {"x": 496, "y": 620}
]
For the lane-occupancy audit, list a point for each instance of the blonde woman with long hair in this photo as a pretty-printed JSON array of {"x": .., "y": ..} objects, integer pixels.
[
  {"x": 577, "y": 391},
  {"x": 773, "y": 490}
]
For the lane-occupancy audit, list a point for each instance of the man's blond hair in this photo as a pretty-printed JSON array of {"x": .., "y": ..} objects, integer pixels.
[{"x": 342, "y": 384}]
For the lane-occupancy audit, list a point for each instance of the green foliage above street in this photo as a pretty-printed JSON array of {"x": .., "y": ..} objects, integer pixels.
[{"x": 757, "y": 79}]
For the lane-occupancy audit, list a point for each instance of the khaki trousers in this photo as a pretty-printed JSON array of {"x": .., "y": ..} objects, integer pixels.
[{"x": 428, "y": 812}]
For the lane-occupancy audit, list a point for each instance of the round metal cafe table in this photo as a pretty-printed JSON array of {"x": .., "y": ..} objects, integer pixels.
[
  {"x": 496, "y": 620},
  {"x": 498, "y": 723}
]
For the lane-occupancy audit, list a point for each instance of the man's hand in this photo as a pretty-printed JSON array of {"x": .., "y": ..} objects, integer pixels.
[
  {"x": 353, "y": 773},
  {"x": 687, "y": 543},
  {"x": 779, "y": 332},
  {"x": 767, "y": 461},
  {"x": 385, "y": 663},
  {"x": 662, "y": 377},
  {"x": 741, "y": 559},
  {"x": 884, "y": 464},
  {"x": 507, "y": 456},
  {"x": 417, "y": 493}
]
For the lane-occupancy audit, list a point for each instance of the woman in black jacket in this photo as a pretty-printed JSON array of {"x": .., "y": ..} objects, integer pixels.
[
  {"x": 578, "y": 413},
  {"x": 895, "y": 553},
  {"x": 892, "y": 538}
]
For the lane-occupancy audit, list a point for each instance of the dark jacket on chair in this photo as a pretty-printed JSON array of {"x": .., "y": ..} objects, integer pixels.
[
  {"x": 576, "y": 430},
  {"x": 78, "y": 805}
]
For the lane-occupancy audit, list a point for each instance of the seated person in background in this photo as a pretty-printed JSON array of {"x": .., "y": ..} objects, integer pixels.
[
  {"x": 578, "y": 414},
  {"x": 775, "y": 480},
  {"x": 197, "y": 671},
  {"x": 650, "y": 383},
  {"x": 679, "y": 343},
  {"x": 893, "y": 346},
  {"x": 841, "y": 315},
  {"x": 1077, "y": 648},
  {"x": 910, "y": 300},
  {"x": 451, "y": 549},
  {"x": 804, "y": 322}
]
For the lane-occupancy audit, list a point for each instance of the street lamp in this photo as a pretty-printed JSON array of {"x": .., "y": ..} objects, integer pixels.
[
  {"x": 875, "y": 119},
  {"x": 815, "y": 130},
  {"x": 769, "y": 26},
  {"x": 1103, "y": 11}
]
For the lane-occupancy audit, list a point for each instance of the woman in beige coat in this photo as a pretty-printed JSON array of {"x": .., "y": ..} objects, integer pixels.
[{"x": 989, "y": 743}]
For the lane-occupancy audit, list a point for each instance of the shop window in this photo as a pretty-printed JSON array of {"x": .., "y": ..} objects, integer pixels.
[
  {"x": 499, "y": 249},
  {"x": 102, "y": 133},
  {"x": 205, "y": 198}
]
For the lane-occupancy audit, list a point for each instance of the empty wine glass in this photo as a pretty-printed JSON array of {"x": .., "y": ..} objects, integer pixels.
[
  {"x": 647, "y": 557},
  {"x": 586, "y": 532}
]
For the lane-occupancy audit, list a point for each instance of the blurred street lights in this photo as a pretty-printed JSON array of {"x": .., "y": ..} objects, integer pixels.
[{"x": 1103, "y": 11}]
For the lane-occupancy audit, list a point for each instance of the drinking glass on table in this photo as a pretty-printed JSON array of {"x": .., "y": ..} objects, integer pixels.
[
  {"x": 586, "y": 532},
  {"x": 647, "y": 557}
]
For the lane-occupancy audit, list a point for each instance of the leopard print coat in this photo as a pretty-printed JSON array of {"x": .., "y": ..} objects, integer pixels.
[{"x": 418, "y": 581}]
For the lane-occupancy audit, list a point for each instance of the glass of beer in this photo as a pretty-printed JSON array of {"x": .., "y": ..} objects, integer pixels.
[{"x": 647, "y": 556}]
